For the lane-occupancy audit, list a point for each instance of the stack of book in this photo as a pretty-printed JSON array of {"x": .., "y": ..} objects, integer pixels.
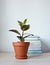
[{"x": 35, "y": 45}]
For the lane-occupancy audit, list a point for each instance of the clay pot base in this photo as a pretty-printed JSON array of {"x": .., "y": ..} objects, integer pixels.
[{"x": 21, "y": 57}]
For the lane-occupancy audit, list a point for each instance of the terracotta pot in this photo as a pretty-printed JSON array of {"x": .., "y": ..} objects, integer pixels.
[{"x": 21, "y": 49}]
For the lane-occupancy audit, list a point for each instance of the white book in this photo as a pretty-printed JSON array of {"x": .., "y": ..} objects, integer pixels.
[
  {"x": 34, "y": 48},
  {"x": 34, "y": 45}
]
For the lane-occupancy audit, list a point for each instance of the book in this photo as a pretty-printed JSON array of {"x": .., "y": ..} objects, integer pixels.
[
  {"x": 35, "y": 44},
  {"x": 34, "y": 51}
]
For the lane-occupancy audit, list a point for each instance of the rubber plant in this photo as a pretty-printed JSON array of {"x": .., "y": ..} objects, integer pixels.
[
  {"x": 24, "y": 27},
  {"x": 20, "y": 47}
]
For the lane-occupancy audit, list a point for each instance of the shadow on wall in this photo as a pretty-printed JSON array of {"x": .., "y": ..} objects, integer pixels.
[{"x": 44, "y": 46}]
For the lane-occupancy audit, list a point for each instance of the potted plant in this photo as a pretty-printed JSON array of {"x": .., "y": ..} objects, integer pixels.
[{"x": 21, "y": 47}]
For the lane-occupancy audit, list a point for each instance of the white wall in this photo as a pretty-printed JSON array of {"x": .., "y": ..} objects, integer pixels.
[{"x": 38, "y": 14}]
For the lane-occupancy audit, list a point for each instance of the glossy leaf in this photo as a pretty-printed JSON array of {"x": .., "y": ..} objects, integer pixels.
[
  {"x": 20, "y": 23},
  {"x": 25, "y": 27},
  {"x": 28, "y": 35},
  {"x": 15, "y": 31},
  {"x": 25, "y": 21}
]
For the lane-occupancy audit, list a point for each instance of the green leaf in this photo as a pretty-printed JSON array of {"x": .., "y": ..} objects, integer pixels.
[
  {"x": 20, "y": 23},
  {"x": 25, "y": 21},
  {"x": 25, "y": 27},
  {"x": 20, "y": 38},
  {"x": 28, "y": 35},
  {"x": 15, "y": 31}
]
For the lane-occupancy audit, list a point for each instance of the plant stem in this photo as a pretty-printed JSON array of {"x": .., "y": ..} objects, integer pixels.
[{"x": 22, "y": 35}]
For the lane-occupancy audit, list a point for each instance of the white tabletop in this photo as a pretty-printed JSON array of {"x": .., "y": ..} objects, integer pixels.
[{"x": 9, "y": 59}]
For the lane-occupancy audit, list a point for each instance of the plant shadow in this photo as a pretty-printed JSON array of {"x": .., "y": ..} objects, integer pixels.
[{"x": 44, "y": 46}]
